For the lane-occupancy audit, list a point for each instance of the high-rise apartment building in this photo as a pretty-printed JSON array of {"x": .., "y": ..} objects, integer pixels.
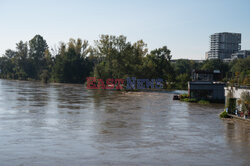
[{"x": 223, "y": 45}]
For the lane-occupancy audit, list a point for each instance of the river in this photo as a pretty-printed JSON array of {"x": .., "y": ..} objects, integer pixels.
[{"x": 63, "y": 124}]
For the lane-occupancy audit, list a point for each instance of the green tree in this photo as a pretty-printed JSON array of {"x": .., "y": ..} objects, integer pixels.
[
  {"x": 21, "y": 62},
  {"x": 71, "y": 64},
  {"x": 182, "y": 80},
  {"x": 119, "y": 58},
  {"x": 157, "y": 65},
  {"x": 37, "y": 49}
]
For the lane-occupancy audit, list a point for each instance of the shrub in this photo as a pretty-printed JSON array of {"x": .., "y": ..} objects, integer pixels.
[
  {"x": 203, "y": 102},
  {"x": 183, "y": 97},
  {"x": 224, "y": 115},
  {"x": 190, "y": 100}
]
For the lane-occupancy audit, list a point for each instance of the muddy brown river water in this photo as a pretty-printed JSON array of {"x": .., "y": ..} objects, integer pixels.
[{"x": 63, "y": 124}]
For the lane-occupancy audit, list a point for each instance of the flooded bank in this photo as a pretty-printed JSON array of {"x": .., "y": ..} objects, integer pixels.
[{"x": 63, "y": 124}]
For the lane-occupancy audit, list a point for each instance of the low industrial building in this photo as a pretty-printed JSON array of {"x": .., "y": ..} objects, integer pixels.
[
  {"x": 204, "y": 86},
  {"x": 241, "y": 54}
]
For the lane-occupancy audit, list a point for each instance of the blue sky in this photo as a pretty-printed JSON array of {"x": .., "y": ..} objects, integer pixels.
[{"x": 183, "y": 26}]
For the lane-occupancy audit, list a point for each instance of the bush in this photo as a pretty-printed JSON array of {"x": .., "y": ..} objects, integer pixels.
[
  {"x": 224, "y": 115},
  {"x": 203, "y": 102},
  {"x": 190, "y": 100},
  {"x": 184, "y": 96}
]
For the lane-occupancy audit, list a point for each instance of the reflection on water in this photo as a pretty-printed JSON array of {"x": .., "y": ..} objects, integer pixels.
[{"x": 64, "y": 124}]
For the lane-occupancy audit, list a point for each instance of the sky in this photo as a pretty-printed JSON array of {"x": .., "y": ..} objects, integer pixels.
[{"x": 183, "y": 26}]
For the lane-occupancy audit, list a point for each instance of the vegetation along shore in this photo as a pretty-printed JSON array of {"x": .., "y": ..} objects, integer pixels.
[{"x": 109, "y": 57}]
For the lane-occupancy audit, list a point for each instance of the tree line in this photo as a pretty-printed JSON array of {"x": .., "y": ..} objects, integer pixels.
[{"x": 109, "y": 57}]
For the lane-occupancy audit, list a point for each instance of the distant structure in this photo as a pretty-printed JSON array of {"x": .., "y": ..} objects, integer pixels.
[
  {"x": 196, "y": 61},
  {"x": 223, "y": 45},
  {"x": 205, "y": 85},
  {"x": 241, "y": 54}
]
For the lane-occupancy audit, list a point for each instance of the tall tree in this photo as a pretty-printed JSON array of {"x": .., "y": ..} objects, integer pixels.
[
  {"x": 37, "y": 46},
  {"x": 71, "y": 64},
  {"x": 157, "y": 65},
  {"x": 119, "y": 58}
]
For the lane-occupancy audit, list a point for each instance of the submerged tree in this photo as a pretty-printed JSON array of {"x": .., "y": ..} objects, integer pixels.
[
  {"x": 37, "y": 51},
  {"x": 71, "y": 64},
  {"x": 119, "y": 58},
  {"x": 157, "y": 65}
]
